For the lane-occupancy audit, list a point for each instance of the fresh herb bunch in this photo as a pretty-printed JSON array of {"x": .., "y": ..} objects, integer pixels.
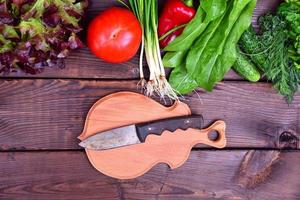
[
  {"x": 269, "y": 51},
  {"x": 277, "y": 67},
  {"x": 38, "y": 33},
  {"x": 290, "y": 11}
]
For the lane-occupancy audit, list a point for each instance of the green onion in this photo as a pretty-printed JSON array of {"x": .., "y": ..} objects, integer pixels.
[{"x": 147, "y": 14}]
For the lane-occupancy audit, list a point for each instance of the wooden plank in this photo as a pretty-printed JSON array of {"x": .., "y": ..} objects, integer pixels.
[
  {"x": 82, "y": 64},
  {"x": 50, "y": 114},
  {"x": 263, "y": 7},
  {"x": 227, "y": 175}
]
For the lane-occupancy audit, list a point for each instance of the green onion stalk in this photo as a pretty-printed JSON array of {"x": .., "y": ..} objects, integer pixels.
[{"x": 147, "y": 14}]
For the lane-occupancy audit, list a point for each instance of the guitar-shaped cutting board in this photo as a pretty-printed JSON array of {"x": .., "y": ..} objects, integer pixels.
[{"x": 126, "y": 108}]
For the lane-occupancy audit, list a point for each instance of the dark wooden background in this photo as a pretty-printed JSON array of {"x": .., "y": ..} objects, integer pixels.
[{"x": 41, "y": 116}]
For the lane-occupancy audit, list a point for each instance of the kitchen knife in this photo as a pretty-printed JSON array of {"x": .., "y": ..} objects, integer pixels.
[{"x": 137, "y": 133}]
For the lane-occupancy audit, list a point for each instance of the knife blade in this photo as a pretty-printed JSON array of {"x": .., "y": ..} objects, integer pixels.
[{"x": 137, "y": 133}]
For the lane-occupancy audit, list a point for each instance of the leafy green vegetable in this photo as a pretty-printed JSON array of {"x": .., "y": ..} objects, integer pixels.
[
  {"x": 9, "y": 32},
  {"x": 207, "y": 12},
  {"x": 213, "y": 51},
  {"x": 181, "y": 81},
  {"x": 38, "y": 33},
  {"x": 270, "y": 50},
  {"x": 228, "y": 57},
  {"x": 174, "y": 59},
  {"x": 278, "y": 69},
  {"x": 6, "y": 45},
  {"x": 63, "y": 6},
  {"x": 290, "y": 10},
  {"x": 32, "y": 27},
  {"x": 193, "y": 60},
  {"x": 209, "y": 68}
]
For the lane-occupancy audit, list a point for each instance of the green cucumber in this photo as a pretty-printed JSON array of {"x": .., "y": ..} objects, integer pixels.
[
  {"x": 251, "y": 44},
  {"x": 244, "y": 67}
]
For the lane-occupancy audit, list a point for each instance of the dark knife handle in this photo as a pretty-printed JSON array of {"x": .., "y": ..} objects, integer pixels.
[{"x": 170, "y": 124}]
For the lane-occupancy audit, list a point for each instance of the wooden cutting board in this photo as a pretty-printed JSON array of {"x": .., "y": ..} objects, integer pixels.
[{"x": 125, "y": 108}]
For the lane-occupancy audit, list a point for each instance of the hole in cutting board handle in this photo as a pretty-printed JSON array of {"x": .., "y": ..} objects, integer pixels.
[{"x": 213, "y": 136}]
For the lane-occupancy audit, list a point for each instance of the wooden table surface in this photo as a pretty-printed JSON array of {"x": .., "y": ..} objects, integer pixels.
[{"x": 41, "y": 116}]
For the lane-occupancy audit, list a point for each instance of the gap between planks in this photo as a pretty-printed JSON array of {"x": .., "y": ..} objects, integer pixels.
[
  {"x": 224, "y": 175},
  {"x": 49, "y": 114},
  {"x": 194, "y": 149}
]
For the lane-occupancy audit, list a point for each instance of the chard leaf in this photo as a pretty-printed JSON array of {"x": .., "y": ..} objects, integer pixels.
[
  {"x": 207, "y": 12},
  {"x": 228, "y": 58},
  {"x": 206, "y": 71},
  {"x": 174, "y": 59},
  {"x": 195, "y": 53},
  {"x": 181, "y": 82}
]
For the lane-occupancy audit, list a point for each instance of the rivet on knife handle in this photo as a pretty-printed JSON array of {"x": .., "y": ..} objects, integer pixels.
[{"x": 158, "y": 127}]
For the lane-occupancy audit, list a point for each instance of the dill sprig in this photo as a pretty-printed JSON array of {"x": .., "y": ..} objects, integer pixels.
[{"x": 269, "y": 50}]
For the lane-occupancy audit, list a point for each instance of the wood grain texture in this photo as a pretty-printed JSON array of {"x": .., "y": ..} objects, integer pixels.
[
  {"x": 82, "y": 64},
  {"x": 50, "y": 114},
  {"x": 256, "y": 167},
  {"x": 125, "y": 108},
  {"x": 206, "y": 175}
]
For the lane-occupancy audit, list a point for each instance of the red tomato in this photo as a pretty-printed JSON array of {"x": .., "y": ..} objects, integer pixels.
[{"x": 114, "y": 35}]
